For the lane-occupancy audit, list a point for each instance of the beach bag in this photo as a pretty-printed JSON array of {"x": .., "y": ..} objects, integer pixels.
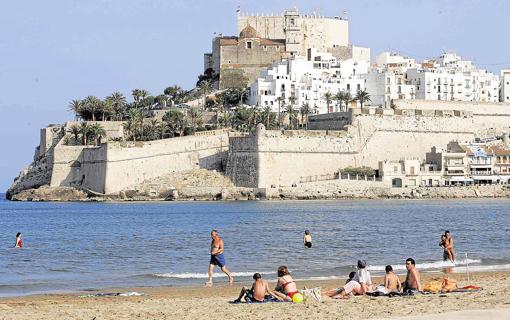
[
  {"x": 449, "y": 285},
  {"x": 312, "y": 294},
  {"x": 433, "y": 286}
]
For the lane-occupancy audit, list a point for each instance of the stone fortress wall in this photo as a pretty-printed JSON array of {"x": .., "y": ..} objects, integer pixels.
[
  {"x": 278, "y": 158},
  {"x": 266, "y": 158}
]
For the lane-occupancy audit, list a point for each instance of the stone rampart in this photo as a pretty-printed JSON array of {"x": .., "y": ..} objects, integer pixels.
[{"x": 276, "y": 158}]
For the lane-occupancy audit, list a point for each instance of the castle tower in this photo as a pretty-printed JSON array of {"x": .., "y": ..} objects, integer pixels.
[{"x": 292, "y": 31}]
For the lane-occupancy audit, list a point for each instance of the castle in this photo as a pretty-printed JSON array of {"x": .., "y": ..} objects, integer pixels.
[{"x": 265, "y": 39}]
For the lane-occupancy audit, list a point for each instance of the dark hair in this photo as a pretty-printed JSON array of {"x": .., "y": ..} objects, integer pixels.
[
  {"x": 283, "y": 271},
  {"x": 214, "y": 230},
  {"x": 18, "y": 234},
  {"x": 388, "y": 268},
  {"x": 443, "y": 236},
  {"x": 256, "y": 276},
  {"x": 307, "y": 231},
  {"x": 446, "y": 232},
  {"x": 362, "y": 264},
  {"x": 411, "y": 260},
  {"x": 352, "y": 274}
]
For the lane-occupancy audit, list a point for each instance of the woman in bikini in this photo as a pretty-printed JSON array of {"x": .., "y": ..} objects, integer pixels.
[
  {"x": 285, "y": 287},
  {"x": 19, "y": 241}
]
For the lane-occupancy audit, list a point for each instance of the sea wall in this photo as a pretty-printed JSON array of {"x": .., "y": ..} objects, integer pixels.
[
  {"x": 277, "y": 158},
  {"x": 489, "y": 119},
  {"x": 130, "y": 163}
]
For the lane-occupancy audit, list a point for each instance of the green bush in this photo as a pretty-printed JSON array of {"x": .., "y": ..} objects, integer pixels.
[{"x": 362, "y": 171}]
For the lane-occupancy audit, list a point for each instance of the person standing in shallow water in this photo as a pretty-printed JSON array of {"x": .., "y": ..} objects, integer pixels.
[
  {"x": 217, "y": 258},
  {"x": 307, "y": 239},
  {"x": 19, "y": 241}
]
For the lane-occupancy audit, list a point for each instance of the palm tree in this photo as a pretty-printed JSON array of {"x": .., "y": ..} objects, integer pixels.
[
  {"x": 328, "y": 96},
  {"x": 97, "y": 132},
  {"x": 92, "y": 105},
  {"x": 362, "y": 96},
  {"x": 176, "y": 121},
  {"x": 339, "y": 97},
  {"x": 76, "y": 107},
  {"x": 139, "y": 94},
  {"x": 75, "y": 131},
  {"x": 133, "y": 124},
  {"x": 85, "y": 132},
  {"x": 280, "y": 100},
  {"x": 195, "y": 117},
  {"x": 205, "y": 87},
  {"x": 118, "y": 103},
  {"x": 289, "y": 109},
  {"x": 347, "y": 99},
  {"x": 305, "y": 111}
]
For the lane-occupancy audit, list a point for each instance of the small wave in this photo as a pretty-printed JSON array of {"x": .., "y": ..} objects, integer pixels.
[
  {"x": 428, "y": 265},
  {"x": 478, "y": 268},
  {"x": 190, "y": 275}
]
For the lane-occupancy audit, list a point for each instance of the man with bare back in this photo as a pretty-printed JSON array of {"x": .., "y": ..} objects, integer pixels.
[{"x": 217, "y": 258}]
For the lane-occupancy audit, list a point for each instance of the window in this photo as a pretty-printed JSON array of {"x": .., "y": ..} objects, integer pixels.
[
  {"x": 349, "y": 86},
  {"x": 248, "y": 44},
  {"x": 358, "y": 86},
  {"x": 412, "y": 170}
]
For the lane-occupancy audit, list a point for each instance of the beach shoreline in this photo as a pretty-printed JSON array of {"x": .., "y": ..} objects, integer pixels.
[{"x": 194, "y": 302}]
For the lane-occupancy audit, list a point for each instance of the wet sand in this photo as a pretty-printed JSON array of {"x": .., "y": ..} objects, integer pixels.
[{"x": 493, "y": 302}]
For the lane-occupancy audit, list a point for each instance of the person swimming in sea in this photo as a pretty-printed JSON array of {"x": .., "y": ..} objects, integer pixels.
[
  {"x": 19, "y": 241},
  {"x": 307, "y": 239},
  {"x": 217, "y": 258}
]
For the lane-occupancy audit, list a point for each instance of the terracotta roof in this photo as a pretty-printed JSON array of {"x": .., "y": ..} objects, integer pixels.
[
  {"x": 500, "y": 151},
  {"x": 248, "y": 32}
]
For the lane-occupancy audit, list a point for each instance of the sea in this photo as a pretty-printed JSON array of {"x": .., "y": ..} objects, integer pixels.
[{"x": 71, "y": 247}]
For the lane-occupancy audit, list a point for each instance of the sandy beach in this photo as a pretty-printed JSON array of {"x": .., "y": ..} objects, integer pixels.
[{"x": 493, "y": 302}]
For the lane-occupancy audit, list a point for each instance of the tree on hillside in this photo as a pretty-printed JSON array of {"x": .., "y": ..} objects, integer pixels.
[
  {"x": 134, "y": 122},
  {"x": 204, "y": 87},
  {"x": 362, "y": 96},
  {"x": 161, "y": 101},
  {"x": 176, "y": 94},
  {"x": 75, "y": 131},
  {"x": 328, "y": 96},
  {"x": 85, "y": 132},
  {"x": 289, "y": 109},
  {"x": 280, "y": 101},
  {"x": 76, "y": 107},
  {"x": 305, "y": 111},
  {"x": 118, "y": 104},
  {"x": 195, "y": 118},
  {"x": 92, "y": 105},
  {"x": 97, "y": 132},
  {"x": 176, "y": 121}
]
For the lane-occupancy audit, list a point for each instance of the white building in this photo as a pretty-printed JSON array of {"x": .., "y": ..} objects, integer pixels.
[
  {"x": 505, "y": 86},
  {"x": 450, "y": 78},
  {"x": 301, "y": 80}
]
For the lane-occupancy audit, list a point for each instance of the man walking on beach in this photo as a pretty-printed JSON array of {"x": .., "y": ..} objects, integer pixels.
[{"x": 217, "y": 258}]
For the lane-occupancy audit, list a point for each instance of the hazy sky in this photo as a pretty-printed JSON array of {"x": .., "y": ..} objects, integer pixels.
[{"x": 57, "y": 50}]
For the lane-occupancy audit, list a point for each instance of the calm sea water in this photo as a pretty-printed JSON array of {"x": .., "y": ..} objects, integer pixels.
[{"x": 76, "y": 246}]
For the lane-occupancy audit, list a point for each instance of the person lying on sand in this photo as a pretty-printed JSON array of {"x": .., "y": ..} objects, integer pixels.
[
  {"x": 413, "y": 278},
  {"x": 259, "y": 291},
  {"x": 391, "y": 281},
  {"x": 359, "y": 284},
  {"x": 333, "y": 293},
  {"x": 285, "y": 287}
]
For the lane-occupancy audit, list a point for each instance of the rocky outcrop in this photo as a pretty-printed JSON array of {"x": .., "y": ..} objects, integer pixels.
[
  {"x": 33, "y": 176},
  {"x": 46, "y": 193}
]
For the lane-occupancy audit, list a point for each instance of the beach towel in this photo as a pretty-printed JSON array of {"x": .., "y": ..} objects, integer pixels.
[{"x": 468, "y": 289}]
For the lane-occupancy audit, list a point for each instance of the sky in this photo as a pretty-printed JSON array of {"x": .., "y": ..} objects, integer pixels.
[{"x": 54, "y": 51}]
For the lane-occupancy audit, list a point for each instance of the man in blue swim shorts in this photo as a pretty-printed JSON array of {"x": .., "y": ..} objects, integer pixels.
[{"x": 217, "y": 258}]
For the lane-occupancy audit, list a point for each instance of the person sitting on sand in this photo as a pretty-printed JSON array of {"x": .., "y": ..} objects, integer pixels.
[
  {"x": 363, "y": 277},
  {"x": 217, "y": 258},
  {"x": 259, "y": 291},
  {"x": 413, "y": 280},
  {"x": 19, "y": 241},
  {"x": 449, "y": 246},
  {"x": 285, "y": 287},
  {"x": 307, "y": 239},
  {"x": 391, "y": 281},
  {"x": 333, "y": 293}
]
